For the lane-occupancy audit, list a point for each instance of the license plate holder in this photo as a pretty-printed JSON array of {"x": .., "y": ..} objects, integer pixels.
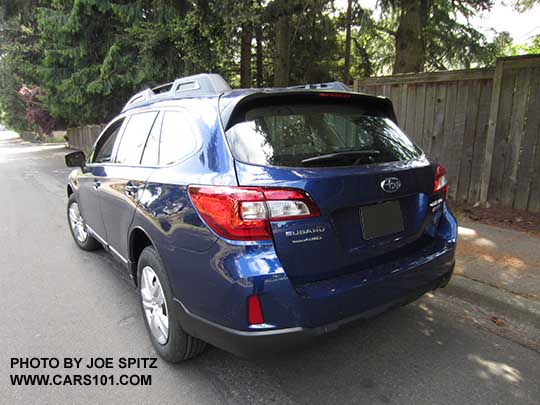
[{"x": 382, "y": 219}]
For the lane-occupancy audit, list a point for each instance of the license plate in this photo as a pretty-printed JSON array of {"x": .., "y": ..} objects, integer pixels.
[{"x": 381, "y": 219}]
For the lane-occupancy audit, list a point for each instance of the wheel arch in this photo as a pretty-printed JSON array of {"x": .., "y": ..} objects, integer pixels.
[{"x": 138, "y": 240}]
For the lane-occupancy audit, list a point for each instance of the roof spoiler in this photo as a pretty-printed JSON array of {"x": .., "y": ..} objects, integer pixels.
[
  {"x": 201, "y": 84},
  {"x": 299, "y": 95}
]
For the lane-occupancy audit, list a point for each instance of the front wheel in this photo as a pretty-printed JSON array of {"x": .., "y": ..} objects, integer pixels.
[
  {"x": 160, "y": 312},
  {"x": 77, "y": 226}
]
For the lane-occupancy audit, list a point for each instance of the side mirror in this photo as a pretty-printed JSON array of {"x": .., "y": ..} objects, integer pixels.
[{"x": 75, "y": 159}]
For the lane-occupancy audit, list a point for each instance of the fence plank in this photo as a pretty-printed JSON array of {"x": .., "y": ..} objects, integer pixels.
[
  {"x": 411, "y": 104},
  {"x": 454, "y": 145},
  {"x": 450, "y": 142},
  {"x": 431, "y": 95},
  {"x": 480, "y": 140},
  {"x": 420, "y": 110},
  {"x": 515, "y": 134},
  {"x": 403, "y": 104},
  {"x": 440, "y": 148},
  {"x": 438, "y": 123},
  {"x": 471, "y": 116},
  {"x": 503, "y": 113},
  {"x": 492, "y": 131},
  {"x": 534, "y": 196},
  {"x": 525, "y": 173},
  {"x": 395, "y": 97}
]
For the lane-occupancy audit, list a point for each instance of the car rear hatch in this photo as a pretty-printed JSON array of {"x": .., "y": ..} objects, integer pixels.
[{"x": 373, "y": 187}]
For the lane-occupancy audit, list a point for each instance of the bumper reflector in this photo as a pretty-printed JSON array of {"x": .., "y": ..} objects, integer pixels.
[{"x": 255, "y": 314}]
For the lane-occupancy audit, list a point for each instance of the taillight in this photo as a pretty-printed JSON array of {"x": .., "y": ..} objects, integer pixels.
[
  {"x": 441, "y": 181},
  {"x": 244, "y": 213}
]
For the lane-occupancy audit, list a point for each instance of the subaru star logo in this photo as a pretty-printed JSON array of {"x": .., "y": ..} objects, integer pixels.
[{"x": 391, "y": 184}]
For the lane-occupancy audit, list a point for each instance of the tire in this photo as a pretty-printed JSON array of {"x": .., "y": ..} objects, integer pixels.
[
  {"x": 77, "y": 226},
  {"x": 176, "y": 345}
]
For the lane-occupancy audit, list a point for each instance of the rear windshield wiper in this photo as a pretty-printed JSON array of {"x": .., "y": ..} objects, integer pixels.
[{"x": 337, "y": 155}]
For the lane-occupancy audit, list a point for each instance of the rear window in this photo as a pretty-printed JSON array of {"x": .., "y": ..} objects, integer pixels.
[{"x": 318, "y": 135}]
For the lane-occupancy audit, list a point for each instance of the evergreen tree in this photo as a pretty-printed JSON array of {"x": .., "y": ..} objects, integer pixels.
[{"x": 87, "y": 57}]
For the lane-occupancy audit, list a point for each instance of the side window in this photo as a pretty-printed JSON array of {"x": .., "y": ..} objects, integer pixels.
[
  {"x": 177, "y": 138},
  {"x": 134, "y": 138},
  {"x": 104, "y": 148},
  {"x": 151, "y": 150}
]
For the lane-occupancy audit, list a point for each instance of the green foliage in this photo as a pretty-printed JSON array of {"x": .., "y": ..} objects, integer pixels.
[
  {"x": 525, "y": 5},
  {"x": 18, "y": 50},
  {"x": 78, "y": 39},
  {"x": 97, "y": 53},
  {"x": 373, "y": 43},
  {"x": 315, "y": 52},
  {"x": 450, "y": 41},
  {"x": 505, "y": 47},
  {"x": 89, "y": 56},
  {"x": 451, "y": 44},
  {"x": 11, "y": 106}
]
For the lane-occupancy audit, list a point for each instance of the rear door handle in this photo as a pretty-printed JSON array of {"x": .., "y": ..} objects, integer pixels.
[{"x": 96, "y": 184}]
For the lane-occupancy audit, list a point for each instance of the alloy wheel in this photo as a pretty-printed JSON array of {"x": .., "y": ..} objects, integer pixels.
[
  {"x": 77, "y": 223},
  {"x": 154, "y": 305}
]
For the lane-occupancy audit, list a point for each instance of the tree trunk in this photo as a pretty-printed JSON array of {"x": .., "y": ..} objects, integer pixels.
[
  {"x": 40, "y": 136},
  {"x": 281, "y": 62},
  {"x": 259, "y": 56},
  {"x": 347, "y": 66},
  {"x": 245, "y": 56},
  {"x": 410, "y": 39}
]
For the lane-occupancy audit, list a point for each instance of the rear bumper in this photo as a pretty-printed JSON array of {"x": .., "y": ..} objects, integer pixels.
[
  {"x": 213, "y": 304},
  {"x": 259, "y": 343}
]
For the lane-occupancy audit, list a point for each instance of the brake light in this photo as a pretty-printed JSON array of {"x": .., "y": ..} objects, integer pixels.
[
  {"x": 255, "y": 314},
  {"x": 244, "y": 213},
  {"x": 441, "y": 181},
  {"x": 335, "y": 95}
]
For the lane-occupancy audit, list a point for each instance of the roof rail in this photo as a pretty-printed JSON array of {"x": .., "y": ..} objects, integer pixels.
[
  {"x": 201, "y": 84},
  {"x": 338, "y": 86}
]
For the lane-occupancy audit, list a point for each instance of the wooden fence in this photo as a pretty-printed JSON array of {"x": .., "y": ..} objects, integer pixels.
[
  {"x": 482, "y": 124},
  {"x": 83, "y": 138}
]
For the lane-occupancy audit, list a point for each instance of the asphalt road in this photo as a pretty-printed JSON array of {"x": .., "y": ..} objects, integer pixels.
[{"x": 58, "y": 301}]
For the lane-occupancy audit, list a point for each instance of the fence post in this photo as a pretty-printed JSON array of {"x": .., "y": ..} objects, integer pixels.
[{"x": 492, "y": 130}]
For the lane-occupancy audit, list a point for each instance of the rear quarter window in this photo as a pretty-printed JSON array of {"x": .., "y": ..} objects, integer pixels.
[{"x": 179, "y": 138}]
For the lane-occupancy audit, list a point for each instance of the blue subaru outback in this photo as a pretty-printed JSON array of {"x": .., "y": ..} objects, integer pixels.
[{"x": 256, "y": 219}]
